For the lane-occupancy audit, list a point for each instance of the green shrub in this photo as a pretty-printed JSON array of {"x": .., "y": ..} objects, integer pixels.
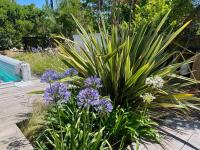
[
  {"x": 59, "y": 19},
  {"x": 152, "y": 10},
  {"x": 17, "y": 21},
  {"x": 124, "y": 62}
]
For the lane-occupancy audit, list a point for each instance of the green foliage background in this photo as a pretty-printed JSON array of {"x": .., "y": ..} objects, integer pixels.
[
  {"x": 17, "y": 21},
  {"x": 151, "y": 10},
  {"x": 60, "y": 19}
]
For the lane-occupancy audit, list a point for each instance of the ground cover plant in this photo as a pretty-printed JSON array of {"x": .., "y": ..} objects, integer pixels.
[{"x": 111, "y": 95}]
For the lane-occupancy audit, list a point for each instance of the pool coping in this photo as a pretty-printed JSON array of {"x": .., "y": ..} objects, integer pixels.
[{"x": 21, "y": 68}]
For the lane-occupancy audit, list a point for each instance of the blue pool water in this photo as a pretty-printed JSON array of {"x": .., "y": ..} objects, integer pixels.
[{"x": 7, "y": 73}]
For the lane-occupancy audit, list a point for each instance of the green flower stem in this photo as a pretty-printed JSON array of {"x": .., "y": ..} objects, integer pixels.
[{"x": 60, "y": 123}]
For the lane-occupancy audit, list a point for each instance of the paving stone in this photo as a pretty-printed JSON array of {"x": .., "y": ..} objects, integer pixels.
[
  {"x": 195, "y": 140},
  {"x": 11, "y": 138},
  {"x": 153, "y": 147},
  {"x": 15, "y": 105},
  {"x": 174, "y": 145},
  {"x": 172, "y": 139},
  {"x": 186, "y": 147},
  {"x": 178, "y": 138}
]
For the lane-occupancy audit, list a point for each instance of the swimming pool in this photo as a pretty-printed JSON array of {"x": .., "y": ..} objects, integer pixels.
[
  {"x": 12, "y": 70},
  {"x": 7, "y": 73}
]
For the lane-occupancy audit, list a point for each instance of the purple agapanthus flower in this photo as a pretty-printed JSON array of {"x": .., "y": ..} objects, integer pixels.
[
  {"x": 88, "y": 97},
  {"x": 70, "y": 72},
  {"x": 50, "y": 76},
  {"x": 63, "y": 92},
  {"x": 104, "y": 106},
  {"x": 57, "y": 92},
  {"x": 93, "y": 82}
]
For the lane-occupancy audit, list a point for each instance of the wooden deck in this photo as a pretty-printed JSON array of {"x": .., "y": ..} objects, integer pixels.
[{"x": 15, "y": 104}]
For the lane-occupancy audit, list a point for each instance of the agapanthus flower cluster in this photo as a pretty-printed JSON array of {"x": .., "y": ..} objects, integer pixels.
[
  {"x": 88, "y": 97},
  {"x": 155, "y": 82},
  {"x": 50, "y": 76},
  {"x": 93, "y": 82},
  {"x": 104, "y": 106},
  {"x": 57, "y": 92},
  {"x": 147, "y": 97},
  {"x": 70, "y": 72}
]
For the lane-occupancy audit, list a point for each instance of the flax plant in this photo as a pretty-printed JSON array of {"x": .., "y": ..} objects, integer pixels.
[{"x": 124, "y": 60}]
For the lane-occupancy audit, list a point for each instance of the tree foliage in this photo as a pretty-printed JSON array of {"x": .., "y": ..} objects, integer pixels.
[
  {"x": 139, "y": 11},
  {"x": 60, "y": 18},
  {"x": 17, "y": 21}
]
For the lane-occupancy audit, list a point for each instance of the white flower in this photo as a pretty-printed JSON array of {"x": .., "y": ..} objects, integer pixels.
[
  {"x": 158, "y": 82},
  {"x": 148, "y": 97},
  {"x": 155, "y": 82},
  {"x": 149, "y": 81}
]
